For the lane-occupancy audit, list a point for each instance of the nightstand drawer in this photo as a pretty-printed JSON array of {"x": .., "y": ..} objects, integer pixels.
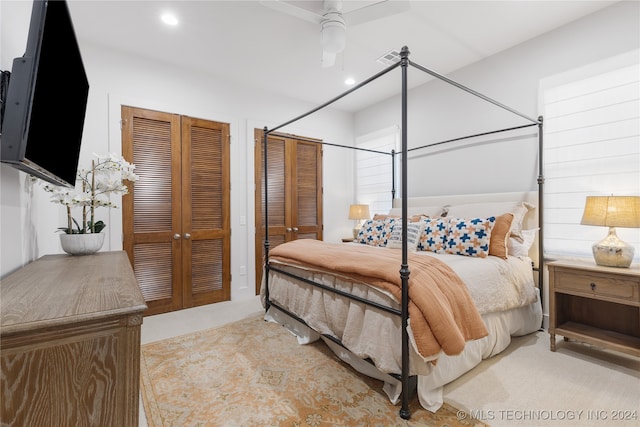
[{"x": 597, "y": 285}]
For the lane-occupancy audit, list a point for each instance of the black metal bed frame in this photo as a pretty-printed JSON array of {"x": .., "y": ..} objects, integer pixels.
[{"x": 404, "y": 377}]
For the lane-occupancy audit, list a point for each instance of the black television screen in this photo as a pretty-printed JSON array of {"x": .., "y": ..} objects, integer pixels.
[{"x": 46, "y": 98}]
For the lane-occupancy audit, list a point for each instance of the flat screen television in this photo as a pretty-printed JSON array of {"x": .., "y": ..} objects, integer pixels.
[{"x": 46, "y": 98}]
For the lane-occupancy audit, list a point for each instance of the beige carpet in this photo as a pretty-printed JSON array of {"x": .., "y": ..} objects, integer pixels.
[
  {"x": 528, "y": 385},
  {"x": 254, "y": 373}
]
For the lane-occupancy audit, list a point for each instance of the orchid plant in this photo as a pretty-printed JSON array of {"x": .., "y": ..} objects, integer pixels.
[{"x": 93, "y": 186}]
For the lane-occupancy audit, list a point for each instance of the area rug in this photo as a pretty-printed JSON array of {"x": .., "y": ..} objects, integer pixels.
[{"x": 254, "y": 373}]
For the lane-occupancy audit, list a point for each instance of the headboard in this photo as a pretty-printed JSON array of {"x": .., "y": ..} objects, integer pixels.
[{"x": 484, "y": 203}]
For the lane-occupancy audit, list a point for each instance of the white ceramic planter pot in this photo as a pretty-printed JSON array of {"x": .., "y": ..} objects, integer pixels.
[{"x": 81, "y": 244}]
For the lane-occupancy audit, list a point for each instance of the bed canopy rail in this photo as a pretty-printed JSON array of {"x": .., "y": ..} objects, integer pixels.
[
  {"x": 473, "y": 92},
  {"x": 433, "y": 144},
  {"x": 316, "y": 141},
  {"x": 404, "y": 62},
  {"x": 337, "y": 98}
]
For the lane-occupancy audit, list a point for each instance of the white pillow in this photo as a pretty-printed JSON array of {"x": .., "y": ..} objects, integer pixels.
[
  {"x": 519, "y": 211},
  {"x": 431, "y": 211},
  {"x": 414, "y": 230},
  {"x": 521, "y": 249},
  {"x": 485, "y": 210},
  {"x": 480, "y": 210}
]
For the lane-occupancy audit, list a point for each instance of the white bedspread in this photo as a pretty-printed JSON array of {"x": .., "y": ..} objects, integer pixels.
[{"x": 495, "y": 284}]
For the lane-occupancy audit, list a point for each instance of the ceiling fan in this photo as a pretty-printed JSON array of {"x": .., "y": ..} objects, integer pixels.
[{"x": 333, "y": 20}]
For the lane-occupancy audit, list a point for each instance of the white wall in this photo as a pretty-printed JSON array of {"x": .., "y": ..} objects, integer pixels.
[
  {"x": 438, "y": 111},
  {"x": 28, "y": 219}
]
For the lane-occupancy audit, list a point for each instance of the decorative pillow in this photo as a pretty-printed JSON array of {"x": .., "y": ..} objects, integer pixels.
[
  {"x": 469, "y": 237},
  {"x": 519, "y": 211},
  {"x": 500, "y": 236},
  {"x": 434, "y": 236},
  {"x": 375, "y": 232},
  {"x": 414, "y": 231},
  {"x": 521, "y": 249}
]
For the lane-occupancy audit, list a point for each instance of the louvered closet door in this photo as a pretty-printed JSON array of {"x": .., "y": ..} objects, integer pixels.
[
  {"x": 205, "y": 212},
  {"x": 306, "y": 190},
  {"x": 176, "y": 224},
  {"x": 151, "y": 140},
  {"x": 294, "y": 192}
]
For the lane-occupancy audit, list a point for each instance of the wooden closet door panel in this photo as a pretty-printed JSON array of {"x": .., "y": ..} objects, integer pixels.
[
  {"x": 151, "y": 213},
  {"x": 306, "y": 190},
  {"x": 279, "y": 203},
  {"x": 294, "y": 192},
  {"x": 278, "y": 183},
  {"x": 205, "y": 211}
]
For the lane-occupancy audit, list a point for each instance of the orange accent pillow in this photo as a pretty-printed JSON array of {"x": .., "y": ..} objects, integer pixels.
[{"x": 500, "y": 235}]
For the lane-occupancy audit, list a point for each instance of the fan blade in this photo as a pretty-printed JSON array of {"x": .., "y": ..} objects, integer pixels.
[
  {"x": 328, "y": 59},
  {"x": 290, "y": 9},
  {"x": 381, "y": 9}
]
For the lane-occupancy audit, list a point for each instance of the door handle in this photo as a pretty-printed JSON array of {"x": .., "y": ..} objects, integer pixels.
[
  {"x": 295, "y": 229},
  {"x": 288, "y": 229},
  {"x": 187, "y": 235},
  {"x": 176, "y": 236}
]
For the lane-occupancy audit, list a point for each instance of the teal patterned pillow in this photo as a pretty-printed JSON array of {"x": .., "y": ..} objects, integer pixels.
[
  {"x": 376, "y": 232},
  {"x": 469, "y": 237},
  {"x": 434, "y": 236}
]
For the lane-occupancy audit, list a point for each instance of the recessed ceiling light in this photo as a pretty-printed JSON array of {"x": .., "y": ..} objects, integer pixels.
[
  {"x": 349, "y": 81},
  {"x": 169, "y": 19}
]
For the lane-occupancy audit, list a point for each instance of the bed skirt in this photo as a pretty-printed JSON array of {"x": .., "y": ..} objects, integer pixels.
[{"x": 432, "y": 379}]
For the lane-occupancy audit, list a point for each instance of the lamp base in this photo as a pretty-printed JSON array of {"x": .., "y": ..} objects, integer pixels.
[{"x": 613, "y": 252}]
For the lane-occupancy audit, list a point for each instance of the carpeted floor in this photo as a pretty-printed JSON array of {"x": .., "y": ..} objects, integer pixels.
[
  {"x": 254, "y": 373},
  {"x": 528, "y": 385}
]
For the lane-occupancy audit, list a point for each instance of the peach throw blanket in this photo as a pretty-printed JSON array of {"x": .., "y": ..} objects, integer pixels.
[{"x": 441, "y": 311}]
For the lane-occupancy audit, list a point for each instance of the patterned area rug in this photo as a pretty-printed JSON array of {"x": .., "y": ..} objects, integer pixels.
[{"x": 254, "y": 373}]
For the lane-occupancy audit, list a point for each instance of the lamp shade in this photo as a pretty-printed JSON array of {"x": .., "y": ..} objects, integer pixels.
[
  {"x": 612, "y": 211},
  {"x": 358, "y": 212}
]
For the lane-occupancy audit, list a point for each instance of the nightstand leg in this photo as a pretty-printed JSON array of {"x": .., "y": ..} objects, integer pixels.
[{"x": 552, "y": 338}]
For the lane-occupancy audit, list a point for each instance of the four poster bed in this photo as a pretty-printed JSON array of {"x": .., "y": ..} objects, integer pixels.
[{"x": 425, "y": 292}]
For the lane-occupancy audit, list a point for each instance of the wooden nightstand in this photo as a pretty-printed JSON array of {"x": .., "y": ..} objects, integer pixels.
[
  {"x": 596, "y": 305},
  {"x": 348, "y": 239}
]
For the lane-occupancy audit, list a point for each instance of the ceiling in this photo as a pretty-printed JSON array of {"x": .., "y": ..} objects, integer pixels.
[{"x": 257, "y": 46}]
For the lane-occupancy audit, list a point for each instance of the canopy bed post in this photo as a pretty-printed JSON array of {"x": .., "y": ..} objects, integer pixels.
[
  {"x": 405, "y": 413},
  {"x": 540, "y": 211},
  {"x": 393, "y": 175},
  {"x": 265, "y": 133}
]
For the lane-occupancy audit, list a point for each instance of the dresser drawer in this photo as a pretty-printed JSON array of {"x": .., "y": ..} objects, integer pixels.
[{"x": 597, "y": 285}]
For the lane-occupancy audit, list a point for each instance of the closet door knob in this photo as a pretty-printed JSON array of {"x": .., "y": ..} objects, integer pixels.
[
  {"x": 187, "y": 235},
  {"x": 176, "y": 236},
  {"x": 288, "y": 229},
  {"x": 295, "y": 229}
]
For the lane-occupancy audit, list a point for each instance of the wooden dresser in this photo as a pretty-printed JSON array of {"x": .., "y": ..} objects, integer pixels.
[{"x": 70, "y": 342}]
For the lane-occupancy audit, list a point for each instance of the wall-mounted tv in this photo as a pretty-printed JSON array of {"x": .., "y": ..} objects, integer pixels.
[{"x": 46, "y": 98}]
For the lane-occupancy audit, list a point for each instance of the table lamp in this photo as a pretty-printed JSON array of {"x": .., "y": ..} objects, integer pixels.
[
  {"x": 358, "y": 213},
  {"x": 612, "y": 211}
]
